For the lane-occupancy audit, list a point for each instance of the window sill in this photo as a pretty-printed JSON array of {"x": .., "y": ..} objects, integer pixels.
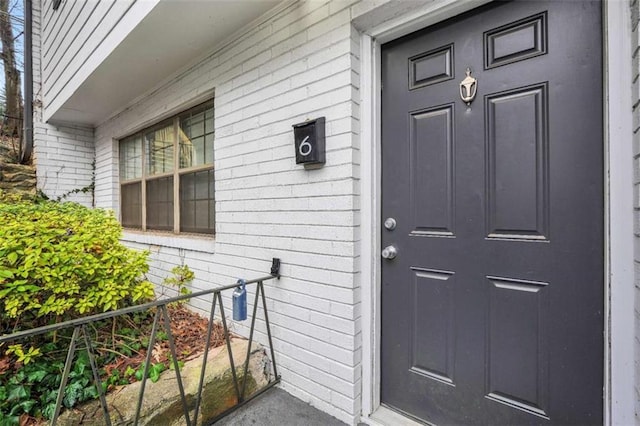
[{"x": 192, "y": 242}]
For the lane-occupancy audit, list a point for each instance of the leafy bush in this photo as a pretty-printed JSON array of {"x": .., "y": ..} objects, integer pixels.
[
  {"x": 62, "y": 260},
  {"x": 59, "y": 261}
]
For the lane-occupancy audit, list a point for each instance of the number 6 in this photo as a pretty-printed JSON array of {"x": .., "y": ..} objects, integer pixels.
[{"x": 305, "y": 147}]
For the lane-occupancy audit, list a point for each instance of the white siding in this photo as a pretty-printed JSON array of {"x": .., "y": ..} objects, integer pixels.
[
  {"x": 77, "y": 37},
  {"x": 301, "y": 64},
  {"x": 635, "y": 11},
  {"x": 64, "y": 154}
]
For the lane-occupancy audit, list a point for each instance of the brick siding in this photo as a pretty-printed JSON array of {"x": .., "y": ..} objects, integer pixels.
[
  {"x": 300, "y": 64},
  {"x": 64, "y": 154}
]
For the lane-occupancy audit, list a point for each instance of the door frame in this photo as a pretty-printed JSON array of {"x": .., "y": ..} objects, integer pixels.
[{"x": 383, "y": 25}]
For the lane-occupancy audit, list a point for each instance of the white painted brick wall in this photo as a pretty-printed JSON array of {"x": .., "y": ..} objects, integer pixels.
[
  {"x": 635, "y": 12},
  {"x": 301, "y": 64},
  {"x": 64, "y": 154}
]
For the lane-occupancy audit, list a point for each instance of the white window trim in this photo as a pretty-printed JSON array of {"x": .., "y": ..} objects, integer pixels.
[{"x": 619, "y": 238}]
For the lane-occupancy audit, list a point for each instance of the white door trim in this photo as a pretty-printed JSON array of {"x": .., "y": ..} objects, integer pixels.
[
  {"x": 619, "y": 240},
  {"x": 370, "y": 215},
  {"x": 619, "y": 236}
]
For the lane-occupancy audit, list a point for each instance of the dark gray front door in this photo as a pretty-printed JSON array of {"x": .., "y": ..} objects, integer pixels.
[{"x": 492, "y": 311}]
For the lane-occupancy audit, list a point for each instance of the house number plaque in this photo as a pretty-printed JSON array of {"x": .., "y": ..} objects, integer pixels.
[{"x": 309, "y": 141}]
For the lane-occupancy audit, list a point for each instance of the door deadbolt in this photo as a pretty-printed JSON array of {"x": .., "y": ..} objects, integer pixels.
[
  {"x": 389, "y": 252},
  {"x": 390, "y": 223}
]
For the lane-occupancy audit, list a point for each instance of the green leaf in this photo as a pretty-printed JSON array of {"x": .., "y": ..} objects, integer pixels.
[
  {"x": 23, "y": 407},
  {"x": 48, "y": 410},
  {"x": 155, "y": 370},
  {"x": 81, "y": 364},
  {"x": 36, "y": 376},
  {"x": 154, "y": 375},
  {"x": 12, "y": 257},
  {"x": 72, "y": 394},
  {"x": 90, "y": 393},
  {"x": 6, "y": 420},
  {"x": 18, "y": 377},
  {"x": 49, "y": 395},
  {"x": 139, "y": 372},
  {"x": 127, "y": 373},
  {"x": 17, "y": 393},
  {"x": 5, "y": 273}
]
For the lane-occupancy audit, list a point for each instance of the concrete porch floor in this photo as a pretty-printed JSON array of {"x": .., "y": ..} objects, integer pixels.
[{"x": 276, "y": 407}]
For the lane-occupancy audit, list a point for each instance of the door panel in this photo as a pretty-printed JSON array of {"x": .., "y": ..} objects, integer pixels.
[
  {"x": 492, "y": 312},
  {"x": 517, "y": 173},
  {"x": 433, "y": 343},
  {"x": 517, "y": 350},
  {"x": 431, "y": 135}
]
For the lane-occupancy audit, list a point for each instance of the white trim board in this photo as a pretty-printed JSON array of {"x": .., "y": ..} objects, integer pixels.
[
  {"x": 619, "y": 237},
  {"x": 618, "y": 179}
]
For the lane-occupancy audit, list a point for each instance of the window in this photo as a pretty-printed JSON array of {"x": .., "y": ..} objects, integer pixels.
[{"x": 166, "y": 174}]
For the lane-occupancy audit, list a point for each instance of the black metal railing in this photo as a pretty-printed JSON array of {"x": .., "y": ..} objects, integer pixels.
[{"x": 80, "y": 327}]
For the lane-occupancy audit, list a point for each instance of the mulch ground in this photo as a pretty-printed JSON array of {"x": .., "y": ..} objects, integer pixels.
[{"x": 189, "y": 332}]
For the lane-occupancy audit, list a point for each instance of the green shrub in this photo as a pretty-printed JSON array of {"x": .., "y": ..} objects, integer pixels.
[
  {"x": 62, "y": 260},
  {"x": 181, "y": 277}
]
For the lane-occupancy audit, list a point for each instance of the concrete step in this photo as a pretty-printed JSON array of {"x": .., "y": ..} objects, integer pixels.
[{"x": 276, "y": 407}]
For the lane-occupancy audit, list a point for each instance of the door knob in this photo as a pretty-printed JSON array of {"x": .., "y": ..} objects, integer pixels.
[{"x": 389, "y": 252}]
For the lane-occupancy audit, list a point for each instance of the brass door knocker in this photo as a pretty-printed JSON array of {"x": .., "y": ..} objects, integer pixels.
[{"x": 468, "y": 88}]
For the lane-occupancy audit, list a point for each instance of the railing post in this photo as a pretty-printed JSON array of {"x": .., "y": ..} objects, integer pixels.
[
  {"x": 204, "y": 360},
  {"x": 226, "y": 337},
  {"x": 152, "y": 342},
  {"x": 176, "y": 366},
  {"x": 65, "y": 375},
  {"x": 96, "y": 375},
  {"x": 253, "y": 323},
  {"x": 266, "y": 320}
]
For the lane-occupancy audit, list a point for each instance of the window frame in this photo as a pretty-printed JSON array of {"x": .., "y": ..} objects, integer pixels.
[{"x": 176, "y": 173}]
